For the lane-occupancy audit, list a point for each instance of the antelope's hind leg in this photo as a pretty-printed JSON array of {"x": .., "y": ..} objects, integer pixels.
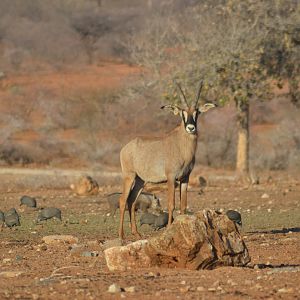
[
  {"x": 132, "y": 199},
  {"x": 128, "y": 181}
]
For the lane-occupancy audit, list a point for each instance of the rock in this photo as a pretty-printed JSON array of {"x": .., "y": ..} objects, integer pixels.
[
  {"x": 114, "y": 288},
  {"x": 49, "y": 213},
  {"x": 90, "y": 253},
  {"x": 130, "y": 289},
  {"x": 286, "y": 290},
  {"x": 151, "y": 275},
  {"x": 200, "y": 289},
  {"x": 43, "y": 247},
  {"x": 57, "y": 239},
  {"x": 85, "y": 186},
  {"x": 19, "y": 257},
  {"x": 92, "y": 243},
  {"x": 28, "y": 201},
  {"x": 265, "y": 196},
  {"x": 2, "y": 75},
  {"x": 205, "y": 240},
  {"x": 128, "y": 257},
  {"x": 10, "y": 274},
  {"x": 184, "y": 289}
]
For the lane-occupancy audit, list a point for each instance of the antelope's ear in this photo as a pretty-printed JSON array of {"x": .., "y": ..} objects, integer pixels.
[
  {"x": 206, "y": 107},
  {"x": 175, "y": 109}
]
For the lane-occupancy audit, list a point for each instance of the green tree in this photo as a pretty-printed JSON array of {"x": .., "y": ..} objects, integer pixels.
[{"x": 222, "y": 42}]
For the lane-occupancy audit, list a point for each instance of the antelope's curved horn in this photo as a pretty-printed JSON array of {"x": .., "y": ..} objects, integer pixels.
[
  {"x": 182, "y": 95},
  {"x": 198, "y": 93}
]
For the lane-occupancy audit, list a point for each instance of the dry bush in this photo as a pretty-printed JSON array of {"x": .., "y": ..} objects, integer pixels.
[
  {"x": 276, "y": 146},
  {"x": 64, "y": 31}
]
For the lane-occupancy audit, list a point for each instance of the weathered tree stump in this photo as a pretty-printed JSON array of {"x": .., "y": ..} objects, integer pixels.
[{"x": 206, "y": 240}]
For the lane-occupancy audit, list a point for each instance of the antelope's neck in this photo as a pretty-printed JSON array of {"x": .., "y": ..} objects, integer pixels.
[{"x": 188, "y": 143}]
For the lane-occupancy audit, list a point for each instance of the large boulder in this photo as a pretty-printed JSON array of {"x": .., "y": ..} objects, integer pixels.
[
  {"x": 85, "y": 186},
  {"x": 205, "y": 240}
]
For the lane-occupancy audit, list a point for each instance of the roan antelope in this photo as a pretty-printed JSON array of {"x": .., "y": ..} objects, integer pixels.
[{"x": 168, "y": 159}]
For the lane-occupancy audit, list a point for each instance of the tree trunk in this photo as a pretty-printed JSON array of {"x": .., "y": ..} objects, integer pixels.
[{"x": 242, "y": 159}]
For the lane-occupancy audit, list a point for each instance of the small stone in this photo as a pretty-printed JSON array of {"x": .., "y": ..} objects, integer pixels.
[
  {"x": 211, "y": 289},
  {"x": 269, "y": 210},
  {"x": 44, "y": 247},
  {"x": 90, "y": 253},
  {"x": 57, "y": 239},
  {"x": 231, "y": 282},
  {"x": 130, "y": 289},
  {"x": 216, "y": 283},
  {"x": 19, "y": 257},
  {"x": 114, "y": 288},
  {"x": 184, "y": 289},
  {"x": 10, "y": 274},
  {"x": 35, "y": 296},
  {"x": 200, "y": 289},
  {"x": 6, "y": 260},
  {"x": 265, "y": 196},
  {"x": 92, "y": 243},
  {"x": 183, "y": 282},
  {"x": 286, "y": 290}
]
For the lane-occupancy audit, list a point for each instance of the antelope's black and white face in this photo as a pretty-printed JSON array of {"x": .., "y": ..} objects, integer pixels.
[
  {"x": 189, "y": 114},
  {"x": 189, "y": 118}
]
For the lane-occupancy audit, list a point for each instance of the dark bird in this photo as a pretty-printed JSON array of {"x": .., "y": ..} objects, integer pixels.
[
  {"x": 12, "y": 218},
  {"x": 48, "y": 213},
  {"x": 156, "y": 221},
  {"x": 234, "y": 216},
  {"x": 28, "y": 201}
]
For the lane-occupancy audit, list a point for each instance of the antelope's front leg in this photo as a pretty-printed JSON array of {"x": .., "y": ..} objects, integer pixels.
[
  {"x": 171, "y": 199},
  {"x": 183, "y": 195}
]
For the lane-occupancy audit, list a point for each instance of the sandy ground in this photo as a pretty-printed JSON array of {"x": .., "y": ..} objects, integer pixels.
[{"x": 29, "y": 269}]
